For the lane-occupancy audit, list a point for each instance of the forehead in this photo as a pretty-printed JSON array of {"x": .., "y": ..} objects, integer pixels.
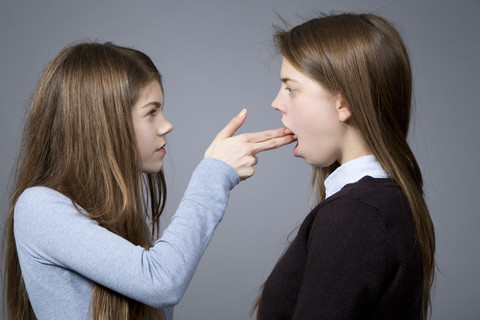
[
  {"x": 293, "y": 77},
  {"x": 289, "y": 73},
  {"x": 150, "y": 95},
  {"x": 152, "y": 92}
]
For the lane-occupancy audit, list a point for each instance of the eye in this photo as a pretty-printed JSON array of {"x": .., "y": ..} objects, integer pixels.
[
  {"x": 152, "y": 112},
  {"x": 290, "y": 90}
]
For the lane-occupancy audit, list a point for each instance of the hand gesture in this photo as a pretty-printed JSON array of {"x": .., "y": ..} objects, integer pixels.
[{"x": 239, "y": 151}]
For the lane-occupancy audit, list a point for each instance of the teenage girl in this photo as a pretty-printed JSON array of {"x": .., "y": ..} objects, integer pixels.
[{"x": 366, "y": 251}]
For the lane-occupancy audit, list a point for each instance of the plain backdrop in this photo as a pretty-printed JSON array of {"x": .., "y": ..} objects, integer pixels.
[{"x": 216, "y": 58}]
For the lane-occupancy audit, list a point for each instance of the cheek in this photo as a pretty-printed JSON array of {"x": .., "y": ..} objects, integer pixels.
[
  {"x": 142, "y": 142},
  {"x": 141, "y": 151},
  {"x": 308, "y": 122},
  {"x": 299, "y": 118},
  {"x": 318, "y": 130}
]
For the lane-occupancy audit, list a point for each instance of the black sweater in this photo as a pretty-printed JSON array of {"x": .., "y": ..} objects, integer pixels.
[{"x": 355, "y": 257}]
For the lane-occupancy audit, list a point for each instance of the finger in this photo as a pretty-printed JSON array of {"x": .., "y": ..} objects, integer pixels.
[
  {"x": 272, "y": 143},
  {"x": 246, "y": 173},
  {"x": 232, "y": 126},
  {"x": 266, "y": 135}
]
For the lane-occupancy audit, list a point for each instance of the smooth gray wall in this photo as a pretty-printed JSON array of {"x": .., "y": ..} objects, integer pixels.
[{"x": 216, "y": 58}]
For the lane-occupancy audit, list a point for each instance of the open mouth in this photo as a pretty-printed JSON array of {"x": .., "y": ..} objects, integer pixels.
[{"x": 295, "y": 150}]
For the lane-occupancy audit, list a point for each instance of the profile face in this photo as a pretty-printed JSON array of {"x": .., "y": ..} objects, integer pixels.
[
  {"x": 150, "y": 127},
  {"x": 310, "y": 111}
]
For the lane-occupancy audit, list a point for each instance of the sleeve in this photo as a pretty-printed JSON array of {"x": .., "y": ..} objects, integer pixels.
[
  {"x": 54, "y": 233},
  {"x": 347, "y": 248}
]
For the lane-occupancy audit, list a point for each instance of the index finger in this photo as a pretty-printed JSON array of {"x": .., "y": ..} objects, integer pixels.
[
  {"x": 266, "y": 135},
  {"x": 232, "y": 126},
  {"x": 272, "y": 143}
]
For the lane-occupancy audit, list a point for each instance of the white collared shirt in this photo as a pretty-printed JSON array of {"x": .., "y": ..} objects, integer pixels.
[{"x": 353, "y": 171}]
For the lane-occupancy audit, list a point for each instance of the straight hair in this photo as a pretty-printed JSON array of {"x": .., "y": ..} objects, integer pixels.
[
  {"x": 363, "y": 58},
  {"x": 79, "y": 140}
]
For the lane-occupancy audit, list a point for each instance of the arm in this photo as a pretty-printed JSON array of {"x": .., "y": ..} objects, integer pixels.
[
  {"x": 51, "y": 233},
  {"x": 346, "y": 262}
]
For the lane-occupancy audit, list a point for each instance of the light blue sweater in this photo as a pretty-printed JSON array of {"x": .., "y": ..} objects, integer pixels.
[{"x": 62, "y": 251}]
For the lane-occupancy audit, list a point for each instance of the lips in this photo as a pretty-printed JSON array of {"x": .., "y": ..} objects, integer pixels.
[
  {"x": 295, "y": 150},
  {"x": 162, "y": 149}
]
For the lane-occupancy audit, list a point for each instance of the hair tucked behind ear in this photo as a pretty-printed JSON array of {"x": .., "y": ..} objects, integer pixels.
[
  {"x": 79, "y": 140},
  {"x": 362, "y": 57}
]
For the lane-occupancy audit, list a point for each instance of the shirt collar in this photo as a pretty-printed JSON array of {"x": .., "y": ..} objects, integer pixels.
[{"x": 353, "y": 171}]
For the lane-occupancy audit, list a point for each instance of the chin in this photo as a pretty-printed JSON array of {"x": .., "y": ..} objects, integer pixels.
[
  {"x": 152, "y": 169},
  {"x": 319, "y": 163}
]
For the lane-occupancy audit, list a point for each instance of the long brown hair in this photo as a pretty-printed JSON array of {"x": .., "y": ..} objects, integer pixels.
[
  {"x": 363, "y": 57},
  {"x": 79, "y": 140}
]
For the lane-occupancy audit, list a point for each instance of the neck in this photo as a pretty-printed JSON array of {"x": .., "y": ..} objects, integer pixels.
[{"x": 353, "y": 146}]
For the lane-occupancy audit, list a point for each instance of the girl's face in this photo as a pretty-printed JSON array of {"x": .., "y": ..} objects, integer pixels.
[
  {"x": 150, "y": 127},
  {"x": 314, "y": 114}
]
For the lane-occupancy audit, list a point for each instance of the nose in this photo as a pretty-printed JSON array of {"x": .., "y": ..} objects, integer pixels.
[
  {"x": 165, "y": 127},
  {"x": 277, "y": 103}
]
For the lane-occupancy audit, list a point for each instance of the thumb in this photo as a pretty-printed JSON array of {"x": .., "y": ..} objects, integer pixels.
[{"x": 232, "y": 126}]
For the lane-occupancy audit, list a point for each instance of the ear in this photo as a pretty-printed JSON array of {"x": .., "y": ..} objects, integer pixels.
[{"x": 343, "y": 109}]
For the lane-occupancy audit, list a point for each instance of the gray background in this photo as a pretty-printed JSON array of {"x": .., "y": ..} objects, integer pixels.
[{"x": 216, "y": 58}]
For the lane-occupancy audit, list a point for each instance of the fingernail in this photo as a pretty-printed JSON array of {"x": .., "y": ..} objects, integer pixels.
[
  {"x": 242, "y": 113},
  {"x": 288, "y": 131}
]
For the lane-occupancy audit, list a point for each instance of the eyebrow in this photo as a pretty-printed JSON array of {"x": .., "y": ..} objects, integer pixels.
[
  {"x": 155, "y": 103},
  {"x": 285, "y": 80}
]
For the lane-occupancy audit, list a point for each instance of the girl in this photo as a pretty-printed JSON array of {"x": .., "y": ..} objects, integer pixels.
[
  {"x": 366, "y": 251},
  {"x": 90, "y": 177}
]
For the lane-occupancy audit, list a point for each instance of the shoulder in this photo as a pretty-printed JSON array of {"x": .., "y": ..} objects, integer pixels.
[
  {"x": 37, "y": 199},
  {"x": 349, "y": 216},
  {"x": 368, "y": 212},
  {"x": 39, "y": 209},
  {"x": 344, "y": 234},
  {"x": 358, "y": 212},
  {"x": 380, "y": 199},
  {"x": 375, "y": 192},
  {"x": 359, "y": 200},
  {"x": 39, "y": 193}
]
